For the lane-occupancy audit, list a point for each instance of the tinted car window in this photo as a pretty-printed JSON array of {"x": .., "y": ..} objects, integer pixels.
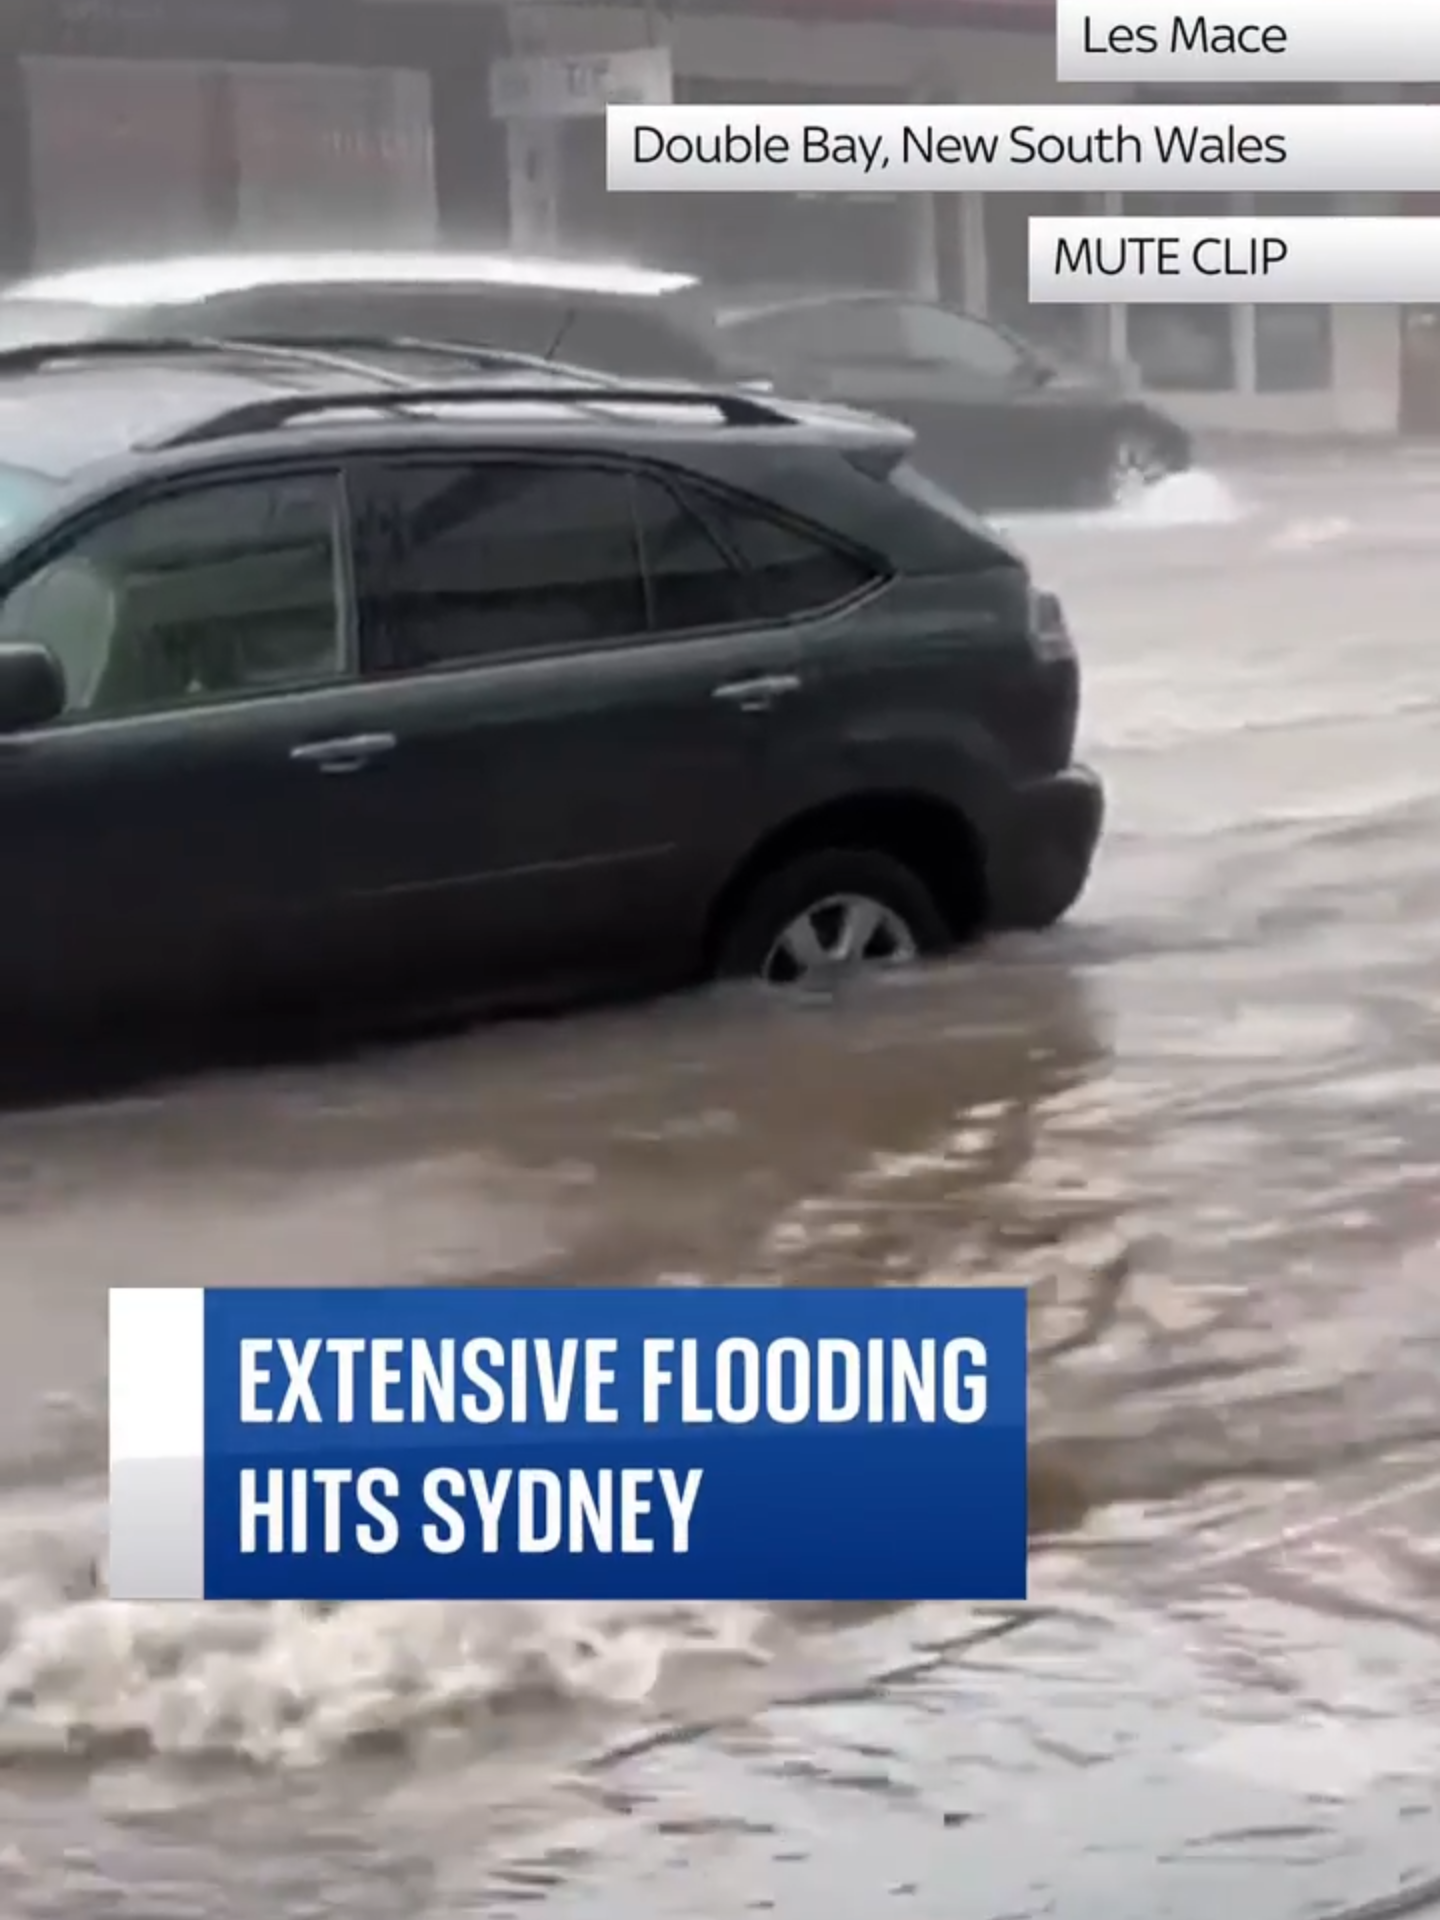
[
  {"x": 497, "y": 558},
  {"x": 693, "y": 583},
  {"x": 861, "y": 332},
  {"x": 639, "y": 344},
  {"x": 229, "y": 589},
  {"x": 778, "y": 340},
  {"x": 617, "y": 336},
  {"x": 519, "y": 324},
  {"x": 835, "y": 330},
  {"x": 789, "y": 572},
  {"x": 955, "y": 340}
]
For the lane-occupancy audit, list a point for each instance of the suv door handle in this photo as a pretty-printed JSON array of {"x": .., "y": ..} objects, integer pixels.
[
  {"x": 753, "y": 696},
  {"x": 347, "y": 754}
]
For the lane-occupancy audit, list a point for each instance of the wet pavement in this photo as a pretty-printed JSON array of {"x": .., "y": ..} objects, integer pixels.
[{"x": 1202, "y": 1120}]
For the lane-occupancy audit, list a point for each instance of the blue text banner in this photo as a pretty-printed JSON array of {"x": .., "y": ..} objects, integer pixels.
[{"x": 745, "y": 1444}]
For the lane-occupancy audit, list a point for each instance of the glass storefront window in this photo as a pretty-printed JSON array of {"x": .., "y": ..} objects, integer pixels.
[
  {"x": 1069, "y": 332},
  {"x": 1294, "y": 349},
  {"x": 1294, "y": 345},
  {"x": 1182, "y": 349}
]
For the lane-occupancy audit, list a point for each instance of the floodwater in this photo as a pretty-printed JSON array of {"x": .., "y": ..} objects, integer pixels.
[{"x": 1202, "y": 1120}]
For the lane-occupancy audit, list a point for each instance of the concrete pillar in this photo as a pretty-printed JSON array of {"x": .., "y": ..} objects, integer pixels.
[
  {"x": 1115, "y": 342},
  {"x": 1242, "y": 347},
  {"x": 1242, "y": 315},
  {"x": 532, "y": 150},
  {"x": 927, "y": 275},
  {"x": 974, "y": 253},
  {"x": 1367, "y": 347},
  {"x": 533, "y": 159},
  {"x": 17, "y": 193},
  {"x": 922, "y": 265}
]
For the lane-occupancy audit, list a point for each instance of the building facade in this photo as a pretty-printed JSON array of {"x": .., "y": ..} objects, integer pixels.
[
  {"x": 1276, "y": 369},
  {"x": 139, "y": 126}
]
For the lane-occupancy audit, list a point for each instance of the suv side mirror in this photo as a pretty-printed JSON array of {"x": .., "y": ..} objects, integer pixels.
[{"x": 32, "y": 686}]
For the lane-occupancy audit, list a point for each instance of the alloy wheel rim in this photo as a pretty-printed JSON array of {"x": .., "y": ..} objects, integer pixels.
[{"x": 836, "y": 938}]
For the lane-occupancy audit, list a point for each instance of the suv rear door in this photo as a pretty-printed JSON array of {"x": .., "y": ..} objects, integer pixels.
[{"x": 594, "y": 718}]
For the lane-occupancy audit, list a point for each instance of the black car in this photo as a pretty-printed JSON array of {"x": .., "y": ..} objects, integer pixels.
[
  {"x": 1002, "y": 423},
  {"x": 630, "y": 321},
  {"x": 328, "y": 684}
]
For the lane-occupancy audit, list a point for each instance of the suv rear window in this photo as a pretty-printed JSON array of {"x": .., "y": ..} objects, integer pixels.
[{"x": 790, "y": 572}]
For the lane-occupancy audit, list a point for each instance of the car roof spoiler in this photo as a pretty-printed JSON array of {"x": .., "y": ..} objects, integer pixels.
[
  {"x": 281, "y": 410},
  {"x": 871, "y": 442}
]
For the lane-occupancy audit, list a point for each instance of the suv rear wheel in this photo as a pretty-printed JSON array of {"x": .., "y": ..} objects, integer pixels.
[{"x": 828, "y": 916}]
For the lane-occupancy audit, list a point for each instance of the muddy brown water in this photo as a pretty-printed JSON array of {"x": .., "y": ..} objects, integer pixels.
[{"x": 1202, "y": 1121}]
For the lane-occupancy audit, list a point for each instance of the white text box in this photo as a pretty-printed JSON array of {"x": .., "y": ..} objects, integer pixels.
[
  {"x": 1144, "y": 43},
  {"x": 1069, "y": 149},
  {"x": 1189, "y": 262}
]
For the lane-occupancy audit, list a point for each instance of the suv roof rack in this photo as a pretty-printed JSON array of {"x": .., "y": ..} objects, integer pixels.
[
  {"x": 339, "y": 352},
  {"x": 260, "y": 416}
]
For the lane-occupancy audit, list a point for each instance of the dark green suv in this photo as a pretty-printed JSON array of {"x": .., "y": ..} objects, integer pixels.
[{"x": 403, "y": 674}]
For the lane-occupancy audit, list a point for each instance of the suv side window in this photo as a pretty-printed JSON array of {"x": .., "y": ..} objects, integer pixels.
[
  {"x": 693, "y": 583},
  {"x": 502, "y": 559},
  {"x": 789, "y": 572},
  {"x": 228, "y": 589},
  {"x": 492, "y": 559},
  {"x": 498, "y": 559}
]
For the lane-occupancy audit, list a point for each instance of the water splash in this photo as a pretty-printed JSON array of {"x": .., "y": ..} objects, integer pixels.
[{"x": 1199, "y": 498}]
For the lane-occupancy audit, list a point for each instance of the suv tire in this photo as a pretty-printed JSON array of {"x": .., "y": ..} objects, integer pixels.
[{"x": 830, "y": 893}]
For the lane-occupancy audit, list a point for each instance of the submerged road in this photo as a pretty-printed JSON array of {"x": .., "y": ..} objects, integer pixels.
[{"x": 1202, "y": 1120}]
